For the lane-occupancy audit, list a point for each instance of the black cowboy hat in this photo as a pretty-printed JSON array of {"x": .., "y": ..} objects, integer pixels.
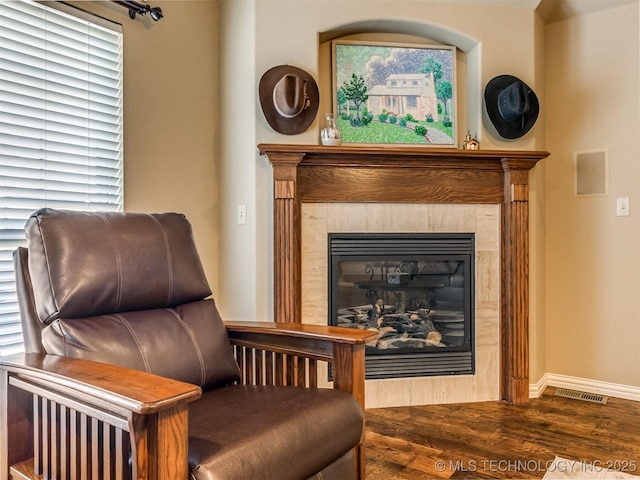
[
  {"x": 511, "y": 106},
  {"x": 289, "y": 98}
]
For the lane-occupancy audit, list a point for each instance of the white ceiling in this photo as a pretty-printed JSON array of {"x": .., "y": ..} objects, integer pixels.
[{"x": 558, "y": 10}]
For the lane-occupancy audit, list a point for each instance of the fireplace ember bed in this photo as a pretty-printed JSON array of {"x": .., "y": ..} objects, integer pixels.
[{"x": 416, "y": 290}]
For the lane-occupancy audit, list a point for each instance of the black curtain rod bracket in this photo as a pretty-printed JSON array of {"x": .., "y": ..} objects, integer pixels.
[{"x": 140, "y": 9}]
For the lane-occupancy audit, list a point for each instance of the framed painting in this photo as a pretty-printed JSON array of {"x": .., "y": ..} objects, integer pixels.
[{"x": 395, "y": 93}]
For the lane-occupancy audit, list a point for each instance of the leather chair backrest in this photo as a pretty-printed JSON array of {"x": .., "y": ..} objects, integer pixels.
[
  {"x": 87, "y": 263},
  {"x": 127, "y": 289}
]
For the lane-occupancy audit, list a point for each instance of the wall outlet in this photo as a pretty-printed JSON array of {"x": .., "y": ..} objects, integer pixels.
[
  {"x": 622, "y": 207},
  {"x": 241, "y": 214}
]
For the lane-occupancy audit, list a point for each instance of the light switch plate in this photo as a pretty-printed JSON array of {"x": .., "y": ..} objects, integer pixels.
[
  {"x": 241, "y": 214},
  {"x": 622, "y": 207}
]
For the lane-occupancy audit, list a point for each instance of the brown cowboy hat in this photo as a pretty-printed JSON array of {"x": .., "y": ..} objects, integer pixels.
[
  {"x": 289, "y": 98},
  {"x": 511, "y": 106}
]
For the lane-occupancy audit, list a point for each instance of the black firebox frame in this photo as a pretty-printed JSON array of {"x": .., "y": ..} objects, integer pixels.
[{"x": 410, "y": 362}]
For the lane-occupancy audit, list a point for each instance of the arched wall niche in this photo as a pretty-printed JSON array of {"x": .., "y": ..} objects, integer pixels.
[{"x": 468, "y": 61}]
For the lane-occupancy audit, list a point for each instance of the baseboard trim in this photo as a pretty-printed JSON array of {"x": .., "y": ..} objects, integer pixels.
[
  {"x": 536, "y": 389},
  {"x": 585, "y": 385}
]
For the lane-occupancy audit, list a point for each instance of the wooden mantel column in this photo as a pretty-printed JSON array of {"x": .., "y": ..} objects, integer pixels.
[
  {"x": 286, "y": 240},
  {"x": 354, "y": 173},
  {"x": 515, "y": 281}
]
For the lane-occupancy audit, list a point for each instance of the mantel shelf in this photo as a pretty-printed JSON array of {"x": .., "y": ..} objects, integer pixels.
[
  {"x": 396, "y": 156},
  {"x": 411, "y": 174}
]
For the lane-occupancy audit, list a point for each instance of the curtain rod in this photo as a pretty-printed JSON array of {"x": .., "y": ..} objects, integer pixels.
[{"x": 140, "y": 9}]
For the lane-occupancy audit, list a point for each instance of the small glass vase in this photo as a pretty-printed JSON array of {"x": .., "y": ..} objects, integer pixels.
[{"x": 330, "y": 135}]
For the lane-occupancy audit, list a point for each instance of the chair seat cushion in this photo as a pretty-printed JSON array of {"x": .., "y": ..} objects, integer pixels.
[{"x": 267, "y": 432}]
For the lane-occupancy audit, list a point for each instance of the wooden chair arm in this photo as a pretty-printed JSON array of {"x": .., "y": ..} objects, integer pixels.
[
  {"x": 305, "y": 331},
  {"x": 117, "y": 387},
  {"x": 56, "y": 411},
  {"x": 342, "y": 347}
]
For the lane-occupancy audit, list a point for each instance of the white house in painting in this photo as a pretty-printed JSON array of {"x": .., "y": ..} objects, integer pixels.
[{"x": 404, "y": 93}]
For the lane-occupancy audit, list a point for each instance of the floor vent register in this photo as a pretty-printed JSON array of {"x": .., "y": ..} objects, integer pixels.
[{"x": 587, "y": 397}]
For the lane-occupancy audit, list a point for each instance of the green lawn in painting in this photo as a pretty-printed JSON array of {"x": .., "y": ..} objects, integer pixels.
[{"x": 386, "y": 133}]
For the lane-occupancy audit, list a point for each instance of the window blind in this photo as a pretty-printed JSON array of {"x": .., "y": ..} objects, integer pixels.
[{"x": 60, "y": 128}]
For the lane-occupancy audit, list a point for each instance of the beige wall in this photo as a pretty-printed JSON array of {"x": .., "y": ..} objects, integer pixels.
[
  {"x": 241, "y": 270},
  {"x": 170, "y": 110},
  {"x": 592, "y": 256},
  {"x": 537, "y": 360}
]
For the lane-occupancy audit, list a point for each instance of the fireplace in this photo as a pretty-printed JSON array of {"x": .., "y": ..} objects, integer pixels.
[
  {"x": 306, "y": 175},
  {"x": 416, "y": 290}
]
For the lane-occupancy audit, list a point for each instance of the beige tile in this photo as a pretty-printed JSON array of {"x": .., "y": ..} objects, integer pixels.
[
  {"x": 394, "y": 392},
  {"x": 488, "y": 227},
  {"x": 487, "y": 276}
]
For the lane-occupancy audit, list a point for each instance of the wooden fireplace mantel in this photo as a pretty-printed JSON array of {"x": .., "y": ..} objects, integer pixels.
[{"x": 315, "y": 173}]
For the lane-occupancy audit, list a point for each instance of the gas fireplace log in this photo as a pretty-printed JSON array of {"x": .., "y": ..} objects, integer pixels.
[
  {"x": 404, "y": 330},
  {"x": 405, "y": 340}
]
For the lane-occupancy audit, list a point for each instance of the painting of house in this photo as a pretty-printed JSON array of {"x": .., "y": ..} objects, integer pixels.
[
  {"x": 378, "y": 87},
  {"x": 403, "y": 94}
]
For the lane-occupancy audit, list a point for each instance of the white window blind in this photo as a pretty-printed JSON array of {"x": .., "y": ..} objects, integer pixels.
[{"x": 60, "y": 128}]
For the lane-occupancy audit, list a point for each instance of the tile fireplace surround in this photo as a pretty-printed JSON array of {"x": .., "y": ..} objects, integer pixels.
[{"x": 320, "y": 190}]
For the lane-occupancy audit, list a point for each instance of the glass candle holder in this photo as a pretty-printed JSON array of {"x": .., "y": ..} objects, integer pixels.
[{"x": 330, "y": 135}]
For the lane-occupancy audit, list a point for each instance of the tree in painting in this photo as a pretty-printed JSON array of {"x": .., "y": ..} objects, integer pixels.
[
  {"x": 356, "y": 91},
  {"x": 342, "y": 100},
  {"x": 444, "y": 92}
]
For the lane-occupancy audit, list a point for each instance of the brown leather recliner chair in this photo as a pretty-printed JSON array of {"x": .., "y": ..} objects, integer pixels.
[{"x": 126, "y": 354}]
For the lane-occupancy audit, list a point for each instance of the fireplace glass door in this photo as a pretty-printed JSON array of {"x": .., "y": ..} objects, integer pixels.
[{"x": 416, "y": 290}]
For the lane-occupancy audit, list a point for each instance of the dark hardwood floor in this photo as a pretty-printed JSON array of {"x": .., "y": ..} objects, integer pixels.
[{"x": 497, "y": 440}]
